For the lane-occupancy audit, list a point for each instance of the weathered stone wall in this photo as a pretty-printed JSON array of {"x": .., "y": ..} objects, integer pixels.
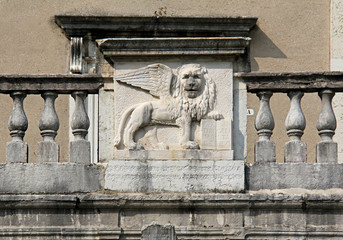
[{"x": 196, "y": 216}]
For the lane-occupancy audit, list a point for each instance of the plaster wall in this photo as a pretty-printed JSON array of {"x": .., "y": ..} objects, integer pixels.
[{"x": 290, "y": 36}]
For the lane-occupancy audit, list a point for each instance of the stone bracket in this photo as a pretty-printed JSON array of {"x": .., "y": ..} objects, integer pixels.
[{"x": 76, "y": 44}]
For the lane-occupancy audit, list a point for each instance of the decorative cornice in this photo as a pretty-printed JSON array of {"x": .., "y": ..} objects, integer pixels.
[
  {"x": 290, "y": 81},
  {"x": 154, "y": 27},
  {"x": 62, "y": 83},
  {"x": 161, "y": 36},
  {"x": 173, "y": 46},
  {"x": 251, "y": 200}
]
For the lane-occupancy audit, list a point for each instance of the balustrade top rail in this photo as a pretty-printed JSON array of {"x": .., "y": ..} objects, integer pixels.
[
  {"x": 62, "y": 83},
  {"x": 290, "y": 81}
]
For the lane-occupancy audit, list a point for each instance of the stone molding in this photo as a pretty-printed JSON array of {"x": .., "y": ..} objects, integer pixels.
[
  {"x": 138, "y": 47},
  {"x": 63, "y": 83},
  {"x": 287, "y": 81},
  {"x": 250, "y": 200},
  {"x": 194, "y": 216},
  {"x": 133, "y": 36},
  {"x": 146, "y": 27}
]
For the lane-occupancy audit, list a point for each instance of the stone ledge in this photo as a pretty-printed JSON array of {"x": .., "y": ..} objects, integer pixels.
[
  {"x": 154, "y": 27},
  {"x": 195, "y": 216},
  {"x": 60, "y": 233},
  {"x": 174, "y": 155},
  {"x": 174, "y": 176},
  {"x": 294, "y": 175},
  {"x": 49, "y": 178},
  {"x": 114, "y": 47},
  {"x": 166, "y": 201}
]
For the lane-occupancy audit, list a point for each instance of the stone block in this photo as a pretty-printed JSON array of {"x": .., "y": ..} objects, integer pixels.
[
  {"x": 326, "y": 152},
  {"x": 175, "y": 176},
  {"x": 80, "y": 152},
  {"x": 295, "y": 151},
  {"x": 48, "y": 151},
  {"x": 159, "y": 232},
  {"x": 294, "y": 175},
  {"x": 17, "y": 152},
  {"x": 265, "y": 151},
  {"x": 49, "y": 178}
]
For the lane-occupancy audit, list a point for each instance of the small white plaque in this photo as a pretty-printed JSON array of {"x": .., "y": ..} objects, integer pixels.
[
  {"x": 208, "y": 134},
  {"x": 223, "y": 134}
]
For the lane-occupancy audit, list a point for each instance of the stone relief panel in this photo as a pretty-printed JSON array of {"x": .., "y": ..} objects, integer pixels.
[{"x": 173, "y": 106}]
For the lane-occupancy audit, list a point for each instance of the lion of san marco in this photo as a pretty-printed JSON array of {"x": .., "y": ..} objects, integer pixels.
[{"x": 185, "y": 97}]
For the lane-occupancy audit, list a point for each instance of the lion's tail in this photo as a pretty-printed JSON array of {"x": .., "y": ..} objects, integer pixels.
[{"x": 123, "y": 121}]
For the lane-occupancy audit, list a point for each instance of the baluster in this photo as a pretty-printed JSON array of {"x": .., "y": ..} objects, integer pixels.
[
  {"x": 17, "y": 149},
  {"x": 326, "y": 124},
  {"x": 48, "y": 149},
  {"x": 295, "y": 149},
  {"x": 264, "y": 124},
  {"x": 80, "y": 147}
]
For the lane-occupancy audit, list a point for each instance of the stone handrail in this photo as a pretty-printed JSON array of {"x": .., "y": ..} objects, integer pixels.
[
  {"x": 295, "y": 84},
  {"x": 49, "y": 86}
]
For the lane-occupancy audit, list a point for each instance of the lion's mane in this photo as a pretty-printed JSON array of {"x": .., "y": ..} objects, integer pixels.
[{"x": 195, "y": 108}]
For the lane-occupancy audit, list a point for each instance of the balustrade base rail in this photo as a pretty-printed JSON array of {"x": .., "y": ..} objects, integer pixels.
[
  {"x": 315, "y": 176},
  {"x": 21, "y": 178},
  {"x": 53, "y": 178}
]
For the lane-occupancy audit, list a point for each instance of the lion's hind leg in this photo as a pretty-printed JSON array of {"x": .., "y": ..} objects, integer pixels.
[{"x": 140, "y": 117}]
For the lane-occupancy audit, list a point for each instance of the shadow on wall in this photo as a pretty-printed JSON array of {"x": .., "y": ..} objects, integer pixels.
[{"x": 262, "y": 47}]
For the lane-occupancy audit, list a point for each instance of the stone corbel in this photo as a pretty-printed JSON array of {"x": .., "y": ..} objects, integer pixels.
[{"x": 76, "y": 45}]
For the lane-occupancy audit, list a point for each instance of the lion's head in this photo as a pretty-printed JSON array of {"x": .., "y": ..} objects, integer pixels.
[{"x": 193, "y": 90}]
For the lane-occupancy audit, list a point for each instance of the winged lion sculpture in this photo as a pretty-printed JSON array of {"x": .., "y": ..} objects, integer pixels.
[{"x": 189, "y": 95}]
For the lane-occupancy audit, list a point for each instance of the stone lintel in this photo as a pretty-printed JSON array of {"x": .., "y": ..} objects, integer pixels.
[{"x": 294, "y": 175}]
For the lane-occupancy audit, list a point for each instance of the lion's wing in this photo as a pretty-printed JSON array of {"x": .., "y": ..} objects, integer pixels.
[{"x": 155, "y": 78}]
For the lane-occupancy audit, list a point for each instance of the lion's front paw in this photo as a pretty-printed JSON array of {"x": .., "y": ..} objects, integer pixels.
[
  {"x": 162, "y": 146},
  {"x": 135, "y": 146},
  {"x": 190, "y": 145},
  {"x": 215, "y": 115}
]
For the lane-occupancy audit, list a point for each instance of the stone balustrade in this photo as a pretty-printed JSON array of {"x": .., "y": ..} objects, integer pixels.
[
  {"x": 49, "y": 86},
  {"x": 261, "y": 84},
  {"x": 294, "y": 85}
]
